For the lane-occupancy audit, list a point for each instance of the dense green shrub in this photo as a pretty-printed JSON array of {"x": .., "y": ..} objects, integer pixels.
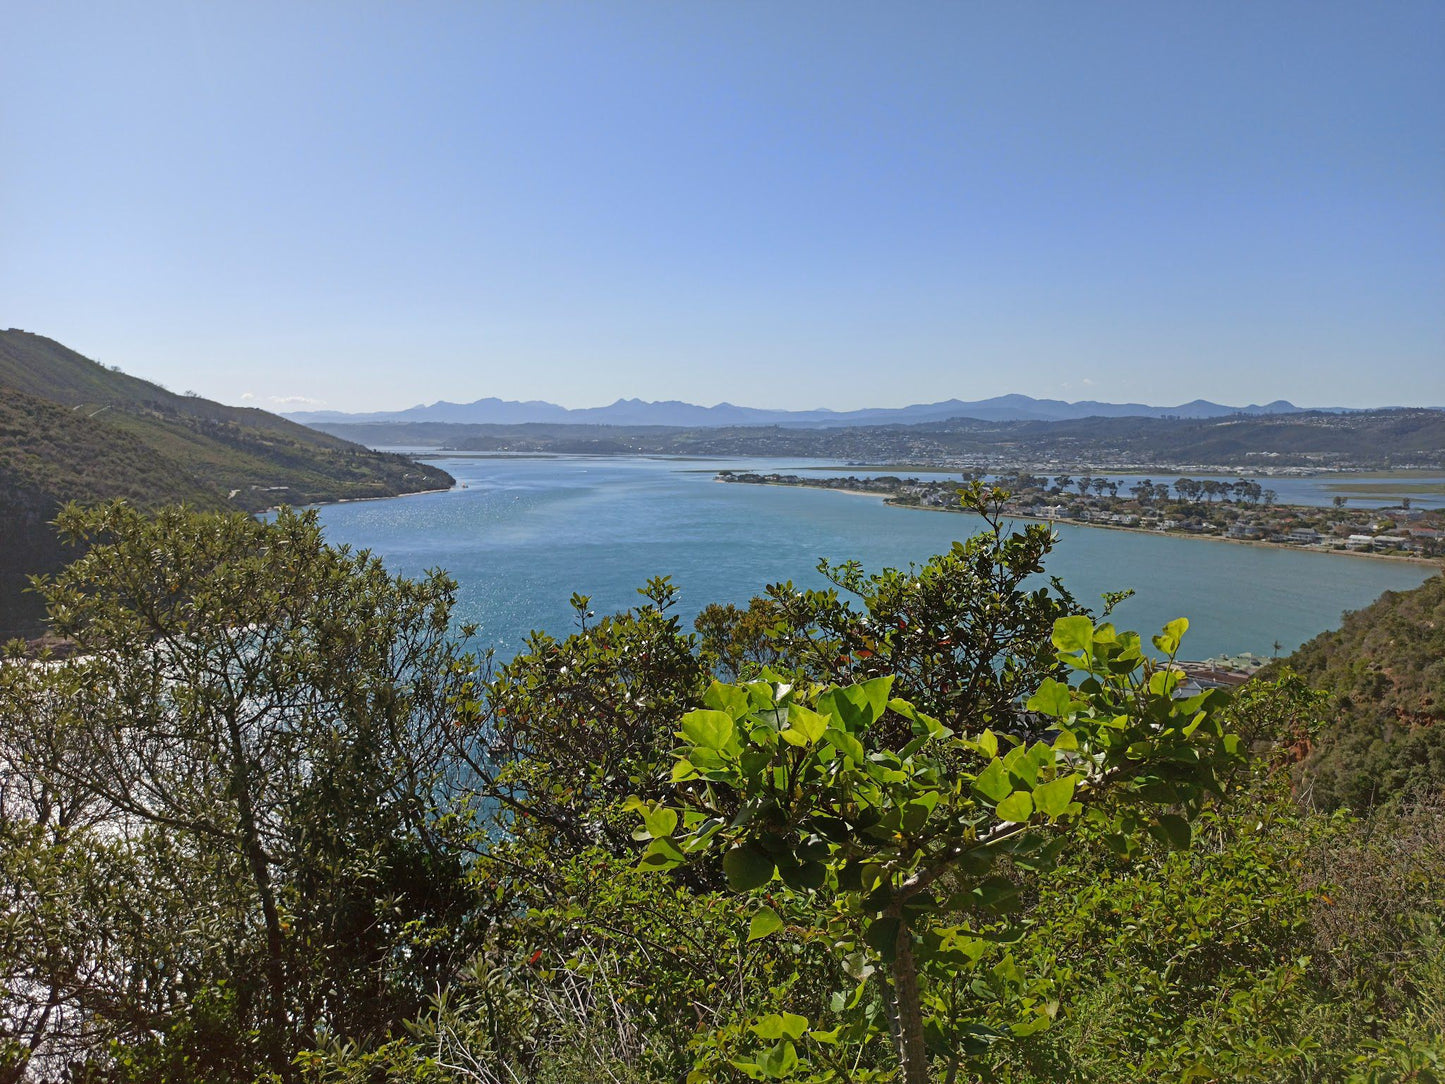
[{"x": 273, "y": 823}]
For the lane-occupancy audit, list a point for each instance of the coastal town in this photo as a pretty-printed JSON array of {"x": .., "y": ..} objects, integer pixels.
[{"x": 1241, "y": 510}]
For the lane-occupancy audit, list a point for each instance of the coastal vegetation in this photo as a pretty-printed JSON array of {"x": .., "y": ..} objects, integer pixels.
[
  {"x": 276, "y": 819},
  {"x": 73, "y": 430}
]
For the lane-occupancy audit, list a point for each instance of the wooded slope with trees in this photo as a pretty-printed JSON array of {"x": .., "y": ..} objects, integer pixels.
[{"x": 71, "y": 429}]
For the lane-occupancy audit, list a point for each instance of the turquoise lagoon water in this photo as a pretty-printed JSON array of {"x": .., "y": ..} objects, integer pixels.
[{"x": 526, "y": 533}]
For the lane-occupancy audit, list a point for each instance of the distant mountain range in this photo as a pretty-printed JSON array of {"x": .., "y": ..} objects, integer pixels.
[{"x": 492, "y": 411}]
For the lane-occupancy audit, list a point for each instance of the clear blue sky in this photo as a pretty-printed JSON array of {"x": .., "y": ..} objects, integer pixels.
[{"x": 779, "y": 204}]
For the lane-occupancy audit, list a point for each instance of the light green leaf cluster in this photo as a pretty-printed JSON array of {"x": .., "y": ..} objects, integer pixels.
[{"x": 892, "y": 840}]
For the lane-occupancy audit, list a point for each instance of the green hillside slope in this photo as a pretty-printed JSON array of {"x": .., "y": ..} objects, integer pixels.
[
  {"x": 71, "y": 429},
  {"x": 1374, "y": 439},
  {"x": 1385, "y": 670}
]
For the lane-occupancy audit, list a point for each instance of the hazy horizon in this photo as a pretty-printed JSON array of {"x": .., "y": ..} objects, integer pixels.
[{"x": 876, "y": 405}]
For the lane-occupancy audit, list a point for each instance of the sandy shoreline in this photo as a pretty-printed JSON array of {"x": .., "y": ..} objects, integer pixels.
[{"x": 1433, "y": 562}]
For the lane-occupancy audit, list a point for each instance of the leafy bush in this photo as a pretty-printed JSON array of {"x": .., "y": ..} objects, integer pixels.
[{"x": 274, "y": 823}]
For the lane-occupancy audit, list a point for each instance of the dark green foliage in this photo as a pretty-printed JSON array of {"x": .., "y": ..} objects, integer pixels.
[
  {"x": 256, "y": 729},
  {"x": 570, "y": 728}
]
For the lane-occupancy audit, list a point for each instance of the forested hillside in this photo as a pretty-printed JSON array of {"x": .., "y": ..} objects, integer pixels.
[
  {"x": 71, "y": 429},
  {"x": 1384, "y": 669}
]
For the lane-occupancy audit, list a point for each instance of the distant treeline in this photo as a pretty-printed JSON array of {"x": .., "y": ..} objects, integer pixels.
[{"x": 1375, "y": 439}]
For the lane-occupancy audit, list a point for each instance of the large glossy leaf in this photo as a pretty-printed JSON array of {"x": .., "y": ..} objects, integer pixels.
[
  {"x": 765, "y": 922},
  {"x": 993, "y": 782},
  {"x": 726, "y": 698},
  {"x": 1017, "y": 807},
  {"x": 707, "y": 729},
  {"x": 804, "y": 727},
  {"x": 747, "y": 867},
  {"x": 1052, "y": 799},
  {"x": 660, "y": 822},
  {"x": 1168, "y": 640},
  {"x": 779, "y": 1060},
  {"x": 845, "y": 743},
  {"x": 1052, "y": 699},
  {"x": 1073, "y": 633}
]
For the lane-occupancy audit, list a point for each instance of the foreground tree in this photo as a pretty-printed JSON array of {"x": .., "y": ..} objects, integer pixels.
[
  {"x": 265, "y": 720},
  {"x": 896, "y": 854},
  {"x": 964, "y": 635}
]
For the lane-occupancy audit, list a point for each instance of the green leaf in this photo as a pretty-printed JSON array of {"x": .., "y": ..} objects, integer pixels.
[
  {"x": 747, "y": 867},
  {"x": 779, "y": 1060},
  {"x": 993, "y": 782},
  {"x": 807, "y": 724},
  {"x": 875, "y": 696},
  {"x": 786, "y": 1025},
  {"x": 857, "y": 706},
  {"x": 660, "y": 822},
  {"x": 661, "y": 854},
  {"x": 845, "y": 743},
  {"x": 707, "y": 729},
  {"x": 1164, "y": 682},
  {"x": 850, "y": 711},
  {"x": 768, "y": 1027},
  {"x": 1052, "y": 699},
  {"x": 1031, "y": 1026},
  {"x": 997, "y": 894},
  {"x": 765, "y": 922},
  {"x": 726, "y": 698},
  {"x": 1073, "y": 634},
  {"x": 1052, "y": 799},
  {"x": 916, "y": 811},
  {"x": 1017, "y": 807},
  {"x": 882, "y": 937},
  {"x": 683, "y": 769},
  {"x": 1176, "y": 830},
  {"x": 1168, "y": 640},
  {"x": 802, "y": 875},
  {"x": 988, "y": 743}
]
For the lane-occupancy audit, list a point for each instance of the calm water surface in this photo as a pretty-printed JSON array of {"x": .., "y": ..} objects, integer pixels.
[{"x": 526, "y": 533}]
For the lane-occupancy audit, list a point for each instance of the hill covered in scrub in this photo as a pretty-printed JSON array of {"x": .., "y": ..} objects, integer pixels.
[
  {"x": 1384, "y": 669},
  {"x": 72, "y": 429}
]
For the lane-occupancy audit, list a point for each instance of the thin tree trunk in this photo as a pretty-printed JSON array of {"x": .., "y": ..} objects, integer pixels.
[
  {"x": 908, "y": 1038},
  {"x": 278, "y": 1044}
]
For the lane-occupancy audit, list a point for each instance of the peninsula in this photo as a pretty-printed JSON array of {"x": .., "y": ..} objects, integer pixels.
[{"x": 1235, "y": 511}]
